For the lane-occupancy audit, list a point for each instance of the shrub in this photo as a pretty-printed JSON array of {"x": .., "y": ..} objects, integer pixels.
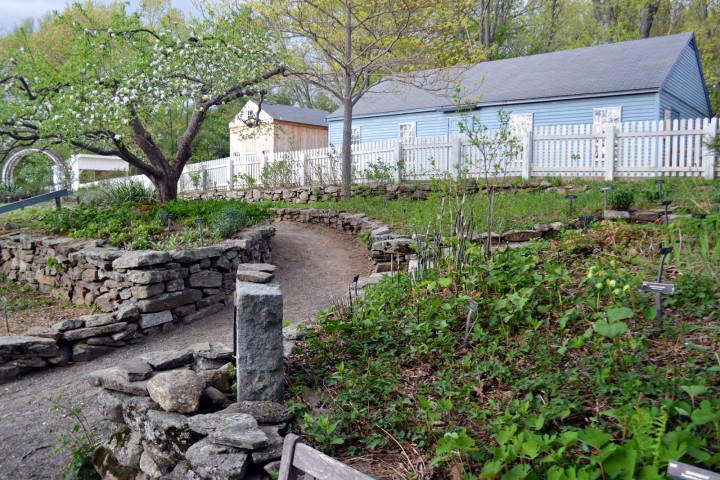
[
  {"x": 11, "y": 192},
  {"x": 125, "y": 192},
  {"x": 621, "y": 198},
  {"x": 278, "y": 174},
  {"x": 229, "y": 220}
]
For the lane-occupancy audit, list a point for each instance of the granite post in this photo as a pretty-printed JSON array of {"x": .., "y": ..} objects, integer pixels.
[{"x": 259, "y": 340}]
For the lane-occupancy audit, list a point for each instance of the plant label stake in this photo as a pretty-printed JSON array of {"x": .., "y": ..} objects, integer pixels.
[
  {"x": 570, "y": 202},
  {"x": 354, "y": 282},
  {"x": 472, "y": 307},
  {"x": 658, "y": 287},
  {"x": 659, "y": 183},
  {"x": 605, "y": 189},
  {"x": 4, "y": 305},
  {"x": 199, "y": 221},
  {"x": 168, "y": 219},
  {"x": 682, "y": 470},
  {"x": 665, "y": 204}
]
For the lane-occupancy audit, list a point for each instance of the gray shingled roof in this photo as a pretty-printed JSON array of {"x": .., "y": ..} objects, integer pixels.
[
  {"x": 296, "y": 114},
  {"x": 618, "y": 67}
]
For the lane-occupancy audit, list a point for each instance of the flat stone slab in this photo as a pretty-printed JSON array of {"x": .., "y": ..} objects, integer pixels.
[
  {"x": 141, "y": 258},
  {"x": 240, "y": 437},
  {"x": 274, "y": 449},
  {"x": 146, "y": 277},
  {"x": 82, "y": 333},
  {"x": 98, "y": 320},
  {"x": 217, "y": 462},
  {"x": 22, "y": 345},
  {"x": 203, "y": 313},
  {"x": 168, "y": 359},
  {"x": 254, "y": 276},
  {"x": 616, "y": 215},
  {"x": 263, "y": 412},
  {"x": 169, "y": 300},
  {"x": 212, "y": 351},
  {"x": 258, "y": 267},
  {"x": 71, "y": 324},
  {"x": 205, "y": 278},
  {"x": 114, "y": 379},
  {"x": 148, "y": 320},
  {"x": 135, "y": 370},
  {"x": 189, "y": 255},
  {"x": 210, "y": 423}
]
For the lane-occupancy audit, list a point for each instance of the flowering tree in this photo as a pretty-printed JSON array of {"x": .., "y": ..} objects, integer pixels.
[{"x": 108, "y": 85}]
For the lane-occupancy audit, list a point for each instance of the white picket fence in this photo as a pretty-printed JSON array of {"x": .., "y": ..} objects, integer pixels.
[{"x": 630, "y": 149}]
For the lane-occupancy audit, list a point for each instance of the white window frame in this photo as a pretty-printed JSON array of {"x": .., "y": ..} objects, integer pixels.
[
  {"x": 607, "y": 116},
  {"x": 413, "y": 130},
  {"x": 521, "y": 122},
  {"x": 355, "y": 136}
]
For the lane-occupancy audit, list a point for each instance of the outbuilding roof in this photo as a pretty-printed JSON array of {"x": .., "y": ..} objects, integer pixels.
[
  {"x": 289, "y": 113},
  {"x": 623, "y": 67}
]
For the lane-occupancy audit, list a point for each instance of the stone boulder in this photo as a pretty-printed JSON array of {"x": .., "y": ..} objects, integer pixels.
[
  {"x": 176, "y": 391},
  {"x": 217, "y": 462}
]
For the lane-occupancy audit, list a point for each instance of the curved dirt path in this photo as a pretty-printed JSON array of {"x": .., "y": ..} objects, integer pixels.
[{"x": 315, "y": 265}]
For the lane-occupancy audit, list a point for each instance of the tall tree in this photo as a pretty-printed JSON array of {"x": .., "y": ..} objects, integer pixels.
[
  {"x": 347, "y": 46},
  {"x": 107, "y": 86}
]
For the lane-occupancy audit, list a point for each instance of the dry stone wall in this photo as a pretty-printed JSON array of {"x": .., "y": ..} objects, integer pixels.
[
  {"x": 170, "y": 415},
  {"x": 139, "y": 292}
]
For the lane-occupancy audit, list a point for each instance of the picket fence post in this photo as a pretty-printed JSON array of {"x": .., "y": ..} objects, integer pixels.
[
  {"x": 230, "y": 173},
  {"x": 609, "y": 152},
  {"x": 527, "y": 154},
  {"x": 399, "y": 162},
  {"x": 709, "y": 155}
]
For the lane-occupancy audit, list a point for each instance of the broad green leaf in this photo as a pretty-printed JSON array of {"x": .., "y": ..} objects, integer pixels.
[
  {"x": 650, "y": 473},
  {"x": 491, "y": 470},
  {"x": 518, "y": 472},
  {"x": 594, "y": 437},
  {"x": 616, "y": 314},
  {"x": 705, "y": 414},
  {"x": 445, "y": 282},
  {"x": 621, "y": 463},
  {"x": 609, "y": 330},
  {"x": 694, "y": 390}
]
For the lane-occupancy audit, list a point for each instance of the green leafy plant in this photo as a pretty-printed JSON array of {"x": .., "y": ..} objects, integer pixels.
[
  {"x": 621, "y": 197},
  {"x": 229, "y": 220},
  {"x": 78, "y": 437},
  {"x": 322, "y": 429}
]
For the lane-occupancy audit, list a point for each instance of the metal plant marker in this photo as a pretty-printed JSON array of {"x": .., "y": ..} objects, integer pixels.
[
  {"x": 353, "y": 283},
  {"x": 658, "y": 287},
  {"x": 472, "y": 307},
  {"x": 682, "y": 470},
  {"x": 4, "y": 305},
  {"x": 665, "y": 204},
  {"x": 168, "y": 219},
  {"x": 570, "y": 198},
  {"x": 199, "y": 221},
  {"x": 659, "y": 183},
  {"x": 605, "y": 191}
]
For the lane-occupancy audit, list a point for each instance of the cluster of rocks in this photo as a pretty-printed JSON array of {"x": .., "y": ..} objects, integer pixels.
[
  {"x": 170, "y": 417},
  {"x": 416, "y": 190},
  {"x": 141, "y": 292}
]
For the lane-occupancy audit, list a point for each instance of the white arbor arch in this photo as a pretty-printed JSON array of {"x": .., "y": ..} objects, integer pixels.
[{"x": 12, "y": 162}]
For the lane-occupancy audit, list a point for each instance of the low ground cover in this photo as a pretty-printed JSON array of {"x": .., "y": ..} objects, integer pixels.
[
  {"x": 565, "y": 373},
  {"x": 128, "y": 216},
  {"x": 520, "y": 208}
]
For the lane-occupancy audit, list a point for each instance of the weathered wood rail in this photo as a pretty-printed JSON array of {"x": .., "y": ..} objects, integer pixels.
[
  {"x": 45, "y": 197},
  {"x": 298, "y": 457}
]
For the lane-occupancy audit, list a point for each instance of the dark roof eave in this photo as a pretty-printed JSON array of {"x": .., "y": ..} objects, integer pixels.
[{"x": 454, "y": 108}]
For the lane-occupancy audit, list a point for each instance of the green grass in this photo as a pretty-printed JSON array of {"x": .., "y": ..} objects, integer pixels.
[{"x": 520, "y": 209}]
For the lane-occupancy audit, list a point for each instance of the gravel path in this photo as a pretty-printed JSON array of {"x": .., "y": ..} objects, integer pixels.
[{"x": 315, "y": 265}]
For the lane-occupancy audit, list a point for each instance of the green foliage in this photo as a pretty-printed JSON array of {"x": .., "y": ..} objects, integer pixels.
[
  {"x": 34, "y": 174},
  {"x": 78, "y": 437},
  {"x": 229, "y": 220},
  {"x": 138, "y": 225},
  {"x": 278, "y": 174},
  {"x": 321, "y": 429},
  {"x": 560, "y": 377},
  {"x": 621, "y": 197},
  {"x": 12, "y": 192},
  {"x": 131, "y": 191}
]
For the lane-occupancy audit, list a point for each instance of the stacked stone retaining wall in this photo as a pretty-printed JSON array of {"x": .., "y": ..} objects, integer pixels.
[{"x": 139, "y": 292}]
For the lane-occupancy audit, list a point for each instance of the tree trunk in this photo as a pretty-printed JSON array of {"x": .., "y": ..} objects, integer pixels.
[
  {"x": 347, "y": 149},
  {"x": 166, "y": 188}
]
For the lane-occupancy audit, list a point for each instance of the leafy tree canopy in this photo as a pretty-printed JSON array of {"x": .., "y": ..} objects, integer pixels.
[{"x": 109, "y": 82}]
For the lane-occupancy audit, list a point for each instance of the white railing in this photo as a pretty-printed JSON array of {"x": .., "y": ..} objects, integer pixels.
[{"x": 631, "y": 149}]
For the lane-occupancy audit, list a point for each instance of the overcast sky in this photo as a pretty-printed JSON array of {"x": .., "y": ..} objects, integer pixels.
[{"x": 12, "y": 12}]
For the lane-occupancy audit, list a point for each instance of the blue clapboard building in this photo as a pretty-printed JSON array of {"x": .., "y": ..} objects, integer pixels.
[{"x": 652, "y": 79}]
